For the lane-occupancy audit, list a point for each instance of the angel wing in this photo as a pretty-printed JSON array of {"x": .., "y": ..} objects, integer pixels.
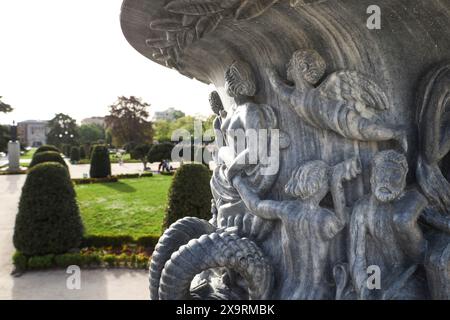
[{"x": 364, "y": 95}]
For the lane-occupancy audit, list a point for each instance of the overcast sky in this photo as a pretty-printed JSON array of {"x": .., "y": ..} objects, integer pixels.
[{"x": 70, "y": 56}]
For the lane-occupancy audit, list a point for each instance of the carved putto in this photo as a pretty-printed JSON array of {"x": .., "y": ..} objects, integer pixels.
[{"x": 346, "y": 102}]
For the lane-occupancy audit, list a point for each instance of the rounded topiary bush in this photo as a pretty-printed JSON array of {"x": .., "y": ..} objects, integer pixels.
[
  {"x": 48, "y": 221},
  {"x": 100, "y": 163},
  {"x": 189, "y": 194},
  {"x": 75, "y": 154},
  {"x": 47, "y": 147},
  {"x": 47, "y": 156},
  {"x": 160, "y": 152}
]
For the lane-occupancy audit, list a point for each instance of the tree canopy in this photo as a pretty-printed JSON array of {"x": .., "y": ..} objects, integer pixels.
[
  {"x": 91, "y": 133},
  {"x": 127, "y": 121},
  {"x": 5, "y": 108},
  {"x": 62, "y": 130}
]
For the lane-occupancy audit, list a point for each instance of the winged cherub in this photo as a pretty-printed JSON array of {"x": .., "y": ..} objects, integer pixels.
[{"x": 346, "y": 102}]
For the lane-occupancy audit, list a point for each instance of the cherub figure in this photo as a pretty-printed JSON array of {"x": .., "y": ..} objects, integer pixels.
[
  {"x": 346, "y": 102},
  {"x": 384, "y": 232},
  {"x": 306, "y": 228}
]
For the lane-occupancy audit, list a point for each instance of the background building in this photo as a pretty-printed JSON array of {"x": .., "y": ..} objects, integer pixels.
[
  {"x": 94, "y": 120},
  {"x": 33, "y": 133},
  {"x": 170, "y": 114}
]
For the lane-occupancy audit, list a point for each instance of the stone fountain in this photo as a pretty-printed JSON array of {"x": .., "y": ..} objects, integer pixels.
[{"x": 352, "y": 199}]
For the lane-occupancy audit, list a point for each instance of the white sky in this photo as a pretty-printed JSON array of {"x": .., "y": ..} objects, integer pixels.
[{"x": 70, "y": 56}]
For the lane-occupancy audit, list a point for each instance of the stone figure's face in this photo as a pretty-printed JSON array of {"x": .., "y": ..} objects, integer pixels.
[
  {"x": 307, "y": 65},
  {"x": 388, "y": 181}
]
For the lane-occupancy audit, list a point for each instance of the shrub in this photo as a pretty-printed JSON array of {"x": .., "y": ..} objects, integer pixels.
[
  {"x": 128, "y": 147},
  {"x": 100, "y": 163},
  {"x": 75, "y": 154},
  {"x": 66, "y": 149},
  {"x": 95, "y": 180},
  {"x": 41, "y": 262},
  {"x": 48, "y": 220},
  {"x": 160, "y": 152},
  {"x": 105, "y": 241},
  {"x": 47, "y": 147},
  {"x": 189, "y": 194},
  {"x": 110, "y": 260},
  {"x": 47, "y": 156},
  {"x": 82, "y": 152},
  {"x": 20, "y": 261}
]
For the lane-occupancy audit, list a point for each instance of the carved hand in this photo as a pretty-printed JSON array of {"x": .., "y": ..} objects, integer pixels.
[{"x": 347, "y": 170}]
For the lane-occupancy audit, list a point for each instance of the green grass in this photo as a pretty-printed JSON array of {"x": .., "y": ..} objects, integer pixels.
[
  {"x": 29, "y": 154},
  {"x": 133, "y": 207}
]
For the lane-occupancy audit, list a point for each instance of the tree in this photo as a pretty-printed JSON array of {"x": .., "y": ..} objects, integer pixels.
[
  {"x": 128, "y": 122},
  {"x": 160, "y": 152},
  {"x": 91, "y": 133},
  {"x": 4, "y": 130},
  {"x": 162, "y": 130},
  {"x": 140, "y": 152},
  {"x": 5, "y": 108},
  {"x": 63, "y": 130}
]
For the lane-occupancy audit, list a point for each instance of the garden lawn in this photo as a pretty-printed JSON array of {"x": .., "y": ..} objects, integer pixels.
[
  {"x": 28, "y": 155},
  {"x": 131, "y": 207}
]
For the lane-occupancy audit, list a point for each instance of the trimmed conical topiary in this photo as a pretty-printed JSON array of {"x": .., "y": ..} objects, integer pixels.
[
  {"x": 75, "y": 154},
  {"x": 47, "y": 147},
  {"x": 47, "y": 156},
  {"x": 48, "y": 221},
  {"x": 189, "y": 195},
  {"x": 100, "y": 163},
  {"x": 82, "y": 152}
]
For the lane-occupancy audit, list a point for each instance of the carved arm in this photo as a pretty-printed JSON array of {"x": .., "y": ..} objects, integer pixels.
[
  {"x": 283, "y": 90},
  {"x": 344, "y": 171},
  {"x": 436, "y": 220},
  {"x": 265, "y": 209},
  {"x": 407, "y": 226}
]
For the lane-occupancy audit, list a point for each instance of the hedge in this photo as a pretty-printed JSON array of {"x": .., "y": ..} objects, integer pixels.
[
  {"x": 111, "y": 179},
  {"x": 82, "y": 153},
  {"x": 189, "y": 194},
  {"x": 117, "y": 241},
  {"x": 47, "y": 156},
  {"x": 47, "y": 147},
  {"x": 95, "y": 180},
  {"x": 48, "y": 221},
  {"x": 100, "y": 163},
  {"x": 96, "y": 259}
]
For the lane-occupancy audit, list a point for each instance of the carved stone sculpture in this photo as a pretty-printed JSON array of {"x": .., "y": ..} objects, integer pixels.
[
  {"x": 307, "y": 229},
  {"x": 346, "y": 102},
  {"x": 351, "y": 171},
  {"x": 384, "y": 232}
]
